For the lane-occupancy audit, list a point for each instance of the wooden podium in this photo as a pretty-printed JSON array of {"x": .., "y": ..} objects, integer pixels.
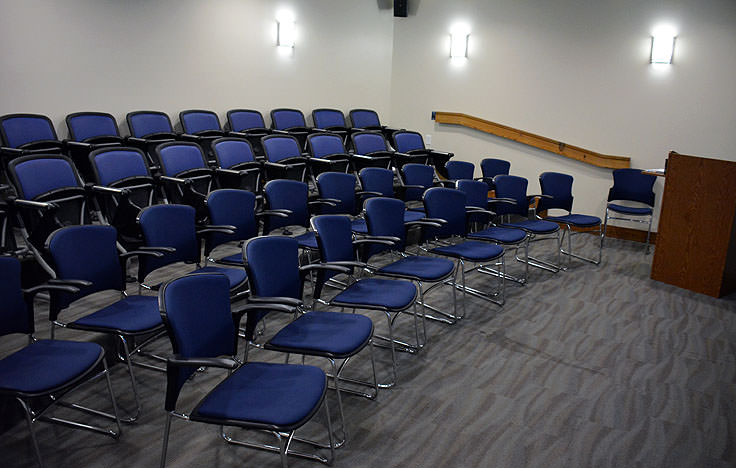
[{"x": 696, "y": 236}]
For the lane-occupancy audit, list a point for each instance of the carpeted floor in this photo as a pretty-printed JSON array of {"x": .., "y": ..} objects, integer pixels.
[{"x": 597, "y": 366}]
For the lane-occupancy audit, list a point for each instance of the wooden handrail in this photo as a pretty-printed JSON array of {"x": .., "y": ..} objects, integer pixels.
[{"x": 547, "y": 144}]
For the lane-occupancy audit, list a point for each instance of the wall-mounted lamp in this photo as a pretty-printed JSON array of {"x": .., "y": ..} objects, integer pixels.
[
  {"x": 286, "y": 30},
  {"x": 459, "y": 41},
  {"x": 663, "y": 46}
]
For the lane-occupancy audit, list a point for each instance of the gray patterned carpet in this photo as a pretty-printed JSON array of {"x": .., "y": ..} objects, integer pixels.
[{"x": 591, "y": 367}]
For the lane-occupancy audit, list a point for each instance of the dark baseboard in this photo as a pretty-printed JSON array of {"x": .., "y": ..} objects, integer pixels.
[{"x": 618, "y": 232}]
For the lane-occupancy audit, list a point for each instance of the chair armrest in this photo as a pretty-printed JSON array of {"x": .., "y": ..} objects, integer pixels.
[
  {"x": 420, "y": 222},
  {"x": 288, "y": 301},
  {"x": 277, "y": 165},
  {"x": 269, "y": 306},
  {"x": 324, "y": 201},
  {"x": 141, "y": 253},
  {"x": 175, "y": 180},
  {"x": 539, "y": 195},
  {"x": 189, "y": 136},
  {"x": 224, "y": 229},
  {"x": 419, "y": 187},
  {"x": 442, "y": 153},
  {"x": 476, "y": 210},
  {"x": 361, "y": 156},
  {"x": 509, "y": 201},
  {"x": 445, "y": 183},
  {"x": 434, "y": 220},
  {"x": 368, "y": 192},
  {"x": 109, "y": 190},
  {"x": 78, "y": 144},
  {"x": 11, "y": 151},
  {"x": 223, "y": 363},
  {"x": 157, "y": 249},
  {"x": 277, "y": 213},
  {"x": 69, "y": 286},
  {"x": 324, "y": 266},
  {"x": 346, "y": 264},
  {"x": 33, "y": 204}
]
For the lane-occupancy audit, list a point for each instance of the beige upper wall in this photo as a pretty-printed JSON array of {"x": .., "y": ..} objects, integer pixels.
[
  {"x": 575, "y": 71},
  {"x": 123, "y": 55}
]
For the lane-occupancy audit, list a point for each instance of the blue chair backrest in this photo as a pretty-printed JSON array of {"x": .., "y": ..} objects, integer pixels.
[
  {"x": 476, "y": 192},
  {"x": 491, "y": 167},
  {"x": 88, "y": 252},
  {"x": 195, "y": 121},
  {"x": 631, "y": 184},
  {"x": 272, "y": 263},
  {"x": 232, "y": 151},
  {"x": 168, "y": 226},
  {"x": 36, "y": 175},
  {"x": 230, "y": 207},
  {"x": 144, "y": 123},
  {"x": 20, "y": 129},
  {"x": 282, "y": 119},
  {"x": 364, "y": 118},
  {"x": 179, "y": 156},
  {"x": 196, "y": 311},
  {"x": 377, "y": 179},
  {"x": 335, "y": 238},
  {"x": 385, "y": 217},
  {"x": 325, "y": 144},
  {"x": 369, "y": 142},
  {"x": 14, "y": 314},
  {"x": 339, "y": 186},
  {"x": 558, "y": 186},
  {"x": 325, "y": 118},
  {"x": 112, "y": 165},
  {"x": 289, "y": 195},
  {"x": 514, "y": 187},
  {"x": 245, "y": 119},
  {"x": 417, "y": 174},
  {"x": 408, "y": 141},
  {"x": 459, "y": 170},
  {"x": 278, "y": 147},
  {"x": 85, "y": 125},
  {"x": 447, "y": 204}
]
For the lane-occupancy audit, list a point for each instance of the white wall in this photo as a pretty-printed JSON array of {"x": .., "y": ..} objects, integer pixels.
[
  {"x": 122, "y": 55},
  {"x": 575, "y": 71}
]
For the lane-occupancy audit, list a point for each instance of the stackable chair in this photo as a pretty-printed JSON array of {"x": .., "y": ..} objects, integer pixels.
[
  {"x": 174, "y": 227},
  {"x": 88, "y": 255},
  {"x": 124, "y": 186},
  {"x": 274, "y": 398},
  {"x": 448, "y": 207},
  {"x": 559, "y": 187},
  {"x": 339, "y": 188},
  {"x": 412, "y": 144},
  {"x": 45, "y": 370},
  {"x": 331, "y": 120},
  {"x": 149, "y": 129},
  {"x": 248, "y": 124},
  {"x": 284, "y": 158},
  {"x": 201, "y": 127},
  {"x": 514, "y": 188},
  {"x": 89, "y": 131},
  {"x": 237, "y": 165},
  {"x": 417, "y": 178},
  {"x": 327, "y": 153},
  {"x": 24, "y": 134},
  {"x": 367, "y": 119},
  {"x": 371, "y": 150},
  {"x": 185, "y": 175},
  {"x": 292, "y": 122},
  {"x": 390, "y": 296},
  {"x": 491, "y": 167},
  {"x": 381, "y": 181},
  {"x": 632, "y": 186},
  {"x": 385, "y": 218},
  {"x": 275, "y": 277},
  {"x": 460, "y": 170},
  {"x": 50, "y": 194}
]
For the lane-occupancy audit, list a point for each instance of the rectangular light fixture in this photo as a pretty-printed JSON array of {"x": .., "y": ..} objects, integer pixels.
[
  {"x": 663, "y": 46},
  {"x": 285, "y": 34},
  {"x": 458, "y": 44}
]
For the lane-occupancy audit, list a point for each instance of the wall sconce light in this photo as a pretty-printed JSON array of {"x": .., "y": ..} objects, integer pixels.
[
  {"x": 663, "y": 46},
  {"x": 286, "y": 30},
  {"x": 459, "y": 43}
]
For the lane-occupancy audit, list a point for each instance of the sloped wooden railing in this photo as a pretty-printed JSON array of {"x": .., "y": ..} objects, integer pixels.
[{"x": 521, "y": 136}]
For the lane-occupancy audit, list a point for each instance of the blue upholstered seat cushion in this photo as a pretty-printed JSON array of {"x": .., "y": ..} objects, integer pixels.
[
  {"x": 535, "y": 226},
  {"x": 234, "y": 258},
  {"x": 131, "y": 314},
  {"x": 359, "y": 225},
  {"x": 577, "y": 220},
  {"x": 275, "y": 394},
  {"x": 235, "y": 275},
  {"x": 422, "y": 268},
  {"x": 410, "y": 215},
  {"x": 499, "y": 234},
  {"x": 47, "y": 364},
  {"x": 630, "y": 210},
  {"x": 377, "y": 292},
  {"x": 307, "y": 240},
  {"x": 334, "y": 333},
  {"x": 471, "y": 250}
]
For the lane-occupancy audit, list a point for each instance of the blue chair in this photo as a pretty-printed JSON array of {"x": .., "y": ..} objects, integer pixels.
[
  {"x": 339, "y": 188},
  {"x": 248, "y": 124},
  {"x": 333, "y": 121},
  {"x": 185, "y": 175},
  {"x": 381, "y": 181},
  {"x": 559, "y": 187},
  {"x": 448, "y": 207},
  {"x": 632, "y": 186},
  {"x": 174, "y": 227},
  {"x": 275, "y": 277},
  {"x": 89, "y": 254},
  {"x": 201, "y": 127},
  {"x": 124, "y": 186},
  {"x": 514, "y": 188},
  {"x": 491, "y": 167},
  {"x": 385, "y": 218},
  {"x": 327, "y": 153},
  {"x": 412, "y": 143},
  {"x": 292, "y": 122},
  {"x": 45, "y": 369},
  {"x": 367, "y": 119},
  {"x": 89, "y": 131},
  {"x": 276, "y": 398},
  {"x": 371, "y": 150},
  {"x": 390, "y": 296},
  {"x": 284, "y": 158},
  {"x": 237, "y": 166},
  {"x": 149, "y": 129},
  {"x": 23, "y": 134},
  {"x": 417, "y": 178},
  {"x": 460, "y": 170}
]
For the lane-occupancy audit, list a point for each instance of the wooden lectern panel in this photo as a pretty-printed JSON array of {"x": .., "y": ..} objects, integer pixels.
[{"x": 696, "y": 240}]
